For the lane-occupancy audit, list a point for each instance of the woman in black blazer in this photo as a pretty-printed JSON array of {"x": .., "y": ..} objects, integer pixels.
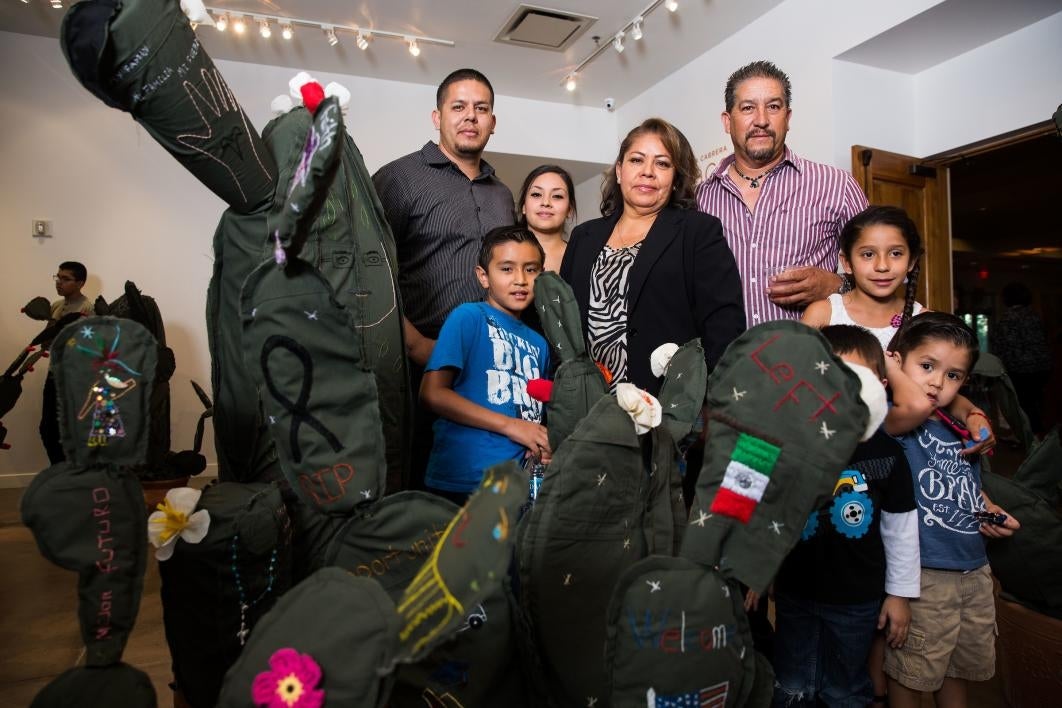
[{"x": 653, "y": 269}]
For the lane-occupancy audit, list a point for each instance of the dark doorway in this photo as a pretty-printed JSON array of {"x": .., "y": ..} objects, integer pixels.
[{"x": 1006, "y": 216}]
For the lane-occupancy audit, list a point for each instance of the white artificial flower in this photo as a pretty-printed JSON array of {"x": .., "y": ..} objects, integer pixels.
[
  {"x": 196, "y": 12},
  {"x": 281, "y": 105},
  {"x": 295, "y": 86},
  {"x": 661, "y": 357},
  {"x": 872, "y": 393},
  {"x": 643, "y": 409},
  {"x": 175, "y": 519},
  {"x": 339, "y": 91}
]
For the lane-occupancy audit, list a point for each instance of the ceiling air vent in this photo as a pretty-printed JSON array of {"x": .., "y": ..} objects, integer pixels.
[{"x": 543, "y": 28}]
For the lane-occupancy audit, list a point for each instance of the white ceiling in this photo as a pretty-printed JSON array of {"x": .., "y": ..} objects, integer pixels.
[
  {"x": 947, "y": 30},
  {"x": 671, "y": 40}
]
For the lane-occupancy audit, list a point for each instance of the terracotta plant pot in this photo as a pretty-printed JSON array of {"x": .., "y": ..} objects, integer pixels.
[{"x": 155, "y": 490}]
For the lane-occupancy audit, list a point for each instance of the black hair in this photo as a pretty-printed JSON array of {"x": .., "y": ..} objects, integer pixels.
[
  {"x": 687, "y": 173},
  {"x": 504, "y": 234},
  {"x": 852, "y": 339},
  {"x": 78, "y": 269},
  {"x": 1016, "y": 294},
  {"x": 928, "y": 326},
  {"x": 757, "y": 70},
  {"x": 462, "y": 75},
  {"x": 538, "y": 172},
  {"x": 898, "y": 219}
]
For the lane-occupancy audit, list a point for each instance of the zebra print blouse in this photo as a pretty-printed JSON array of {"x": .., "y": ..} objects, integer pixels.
[{"x": 606, "y": 335}]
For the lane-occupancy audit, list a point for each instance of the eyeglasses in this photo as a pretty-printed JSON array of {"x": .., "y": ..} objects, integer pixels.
[{"x": 63, "y": 279}]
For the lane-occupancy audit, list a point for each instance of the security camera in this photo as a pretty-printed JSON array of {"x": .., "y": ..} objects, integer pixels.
[{"x": 610, "y": 104}]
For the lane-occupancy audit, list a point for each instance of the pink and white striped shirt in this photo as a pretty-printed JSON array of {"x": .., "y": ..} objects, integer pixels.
[{"x": 798, "y": 219}]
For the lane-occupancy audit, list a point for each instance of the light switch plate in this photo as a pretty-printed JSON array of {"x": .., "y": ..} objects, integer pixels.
[{"x": 42, "y": 228}]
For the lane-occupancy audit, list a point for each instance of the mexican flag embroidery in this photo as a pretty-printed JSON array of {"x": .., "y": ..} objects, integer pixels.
[{"x": 747, "y": 475}]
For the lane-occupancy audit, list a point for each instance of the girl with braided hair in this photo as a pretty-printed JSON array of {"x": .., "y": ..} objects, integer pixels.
[{"x": 880, "y": 254}]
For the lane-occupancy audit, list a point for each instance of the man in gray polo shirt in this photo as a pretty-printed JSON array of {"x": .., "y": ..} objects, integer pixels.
[{"x": 440, "y": 201}]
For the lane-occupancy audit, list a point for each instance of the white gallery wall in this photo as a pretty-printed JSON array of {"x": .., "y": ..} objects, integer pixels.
[{"x": 1003, "y": 85}]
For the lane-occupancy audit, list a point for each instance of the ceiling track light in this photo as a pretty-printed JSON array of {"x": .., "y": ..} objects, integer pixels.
[
  {"x": 635, "y": 25},
  {"x": 287, "y": 24}
]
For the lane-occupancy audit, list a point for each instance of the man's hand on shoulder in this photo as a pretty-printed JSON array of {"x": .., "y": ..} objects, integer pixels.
[{"x": 799, "y": 287}]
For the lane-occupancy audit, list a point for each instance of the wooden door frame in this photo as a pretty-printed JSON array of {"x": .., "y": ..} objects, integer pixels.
[
  {"x": 1021, "y": 135},
  {"x": 938, "y": 273}
]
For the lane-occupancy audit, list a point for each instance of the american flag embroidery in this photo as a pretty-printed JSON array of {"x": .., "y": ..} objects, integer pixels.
[{"x": 710, "y": 697}]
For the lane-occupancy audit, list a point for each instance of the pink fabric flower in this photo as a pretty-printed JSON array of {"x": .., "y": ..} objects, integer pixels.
[{"x": 291, "y": 682}]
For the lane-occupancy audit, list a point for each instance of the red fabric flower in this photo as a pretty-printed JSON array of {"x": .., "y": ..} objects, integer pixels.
[
  {"x": 290, "y": 683},
  {"x": 540, "y": 389},
  {"x": 312, "y": 95}
]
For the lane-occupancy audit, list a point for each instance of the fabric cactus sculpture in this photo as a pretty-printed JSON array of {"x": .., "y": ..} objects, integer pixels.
[
  {"x": 785, "y": 416},
  {"x": 142, "y": 56},
  {"x": 336, "y": 638},
  {"x": 87, "y": 513}
]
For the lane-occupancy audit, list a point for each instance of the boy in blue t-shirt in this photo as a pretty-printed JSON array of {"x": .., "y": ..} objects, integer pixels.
[
  {"x": 951, "y": 640},
  {"x": 476, "y": 378}
]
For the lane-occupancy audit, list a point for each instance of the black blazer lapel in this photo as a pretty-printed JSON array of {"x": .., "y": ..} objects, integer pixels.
[{"x": 661, "y": 234}]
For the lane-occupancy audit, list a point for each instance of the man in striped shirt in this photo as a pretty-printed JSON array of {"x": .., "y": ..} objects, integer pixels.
[
  {"x": 782, "y": 214},
  {"x": 440, "y": 201}
]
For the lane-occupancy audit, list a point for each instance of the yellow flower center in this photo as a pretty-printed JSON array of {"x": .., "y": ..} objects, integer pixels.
[
  {"x": 172, "y": 523},
  {"x": 290, "y": 689}
]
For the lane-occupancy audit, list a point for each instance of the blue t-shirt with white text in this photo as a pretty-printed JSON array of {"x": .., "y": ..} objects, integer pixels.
[
  {"x": 495, "y": 355},
  {"x": 948, "y": 491}
]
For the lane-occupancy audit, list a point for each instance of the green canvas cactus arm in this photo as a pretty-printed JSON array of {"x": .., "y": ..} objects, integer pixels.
[
  {"x": 290, "y": 220},
  {"x": 142, "y": 56}
]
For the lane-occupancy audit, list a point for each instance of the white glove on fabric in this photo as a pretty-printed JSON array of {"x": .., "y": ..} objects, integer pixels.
[
  {"x": 874, "y": 397},
  {"x": 661, "y": 357},
  {"x": 643, "y": 409}
]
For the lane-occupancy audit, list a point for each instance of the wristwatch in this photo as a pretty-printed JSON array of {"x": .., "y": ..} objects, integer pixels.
[{"x": 846, "y": 284}]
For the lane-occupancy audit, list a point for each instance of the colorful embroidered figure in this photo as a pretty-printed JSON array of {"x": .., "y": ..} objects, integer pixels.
[{"x": 106, "y": 419}]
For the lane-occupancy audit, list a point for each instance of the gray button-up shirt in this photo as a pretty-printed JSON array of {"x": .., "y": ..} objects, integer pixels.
[{"x": 439, "y": 218}]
